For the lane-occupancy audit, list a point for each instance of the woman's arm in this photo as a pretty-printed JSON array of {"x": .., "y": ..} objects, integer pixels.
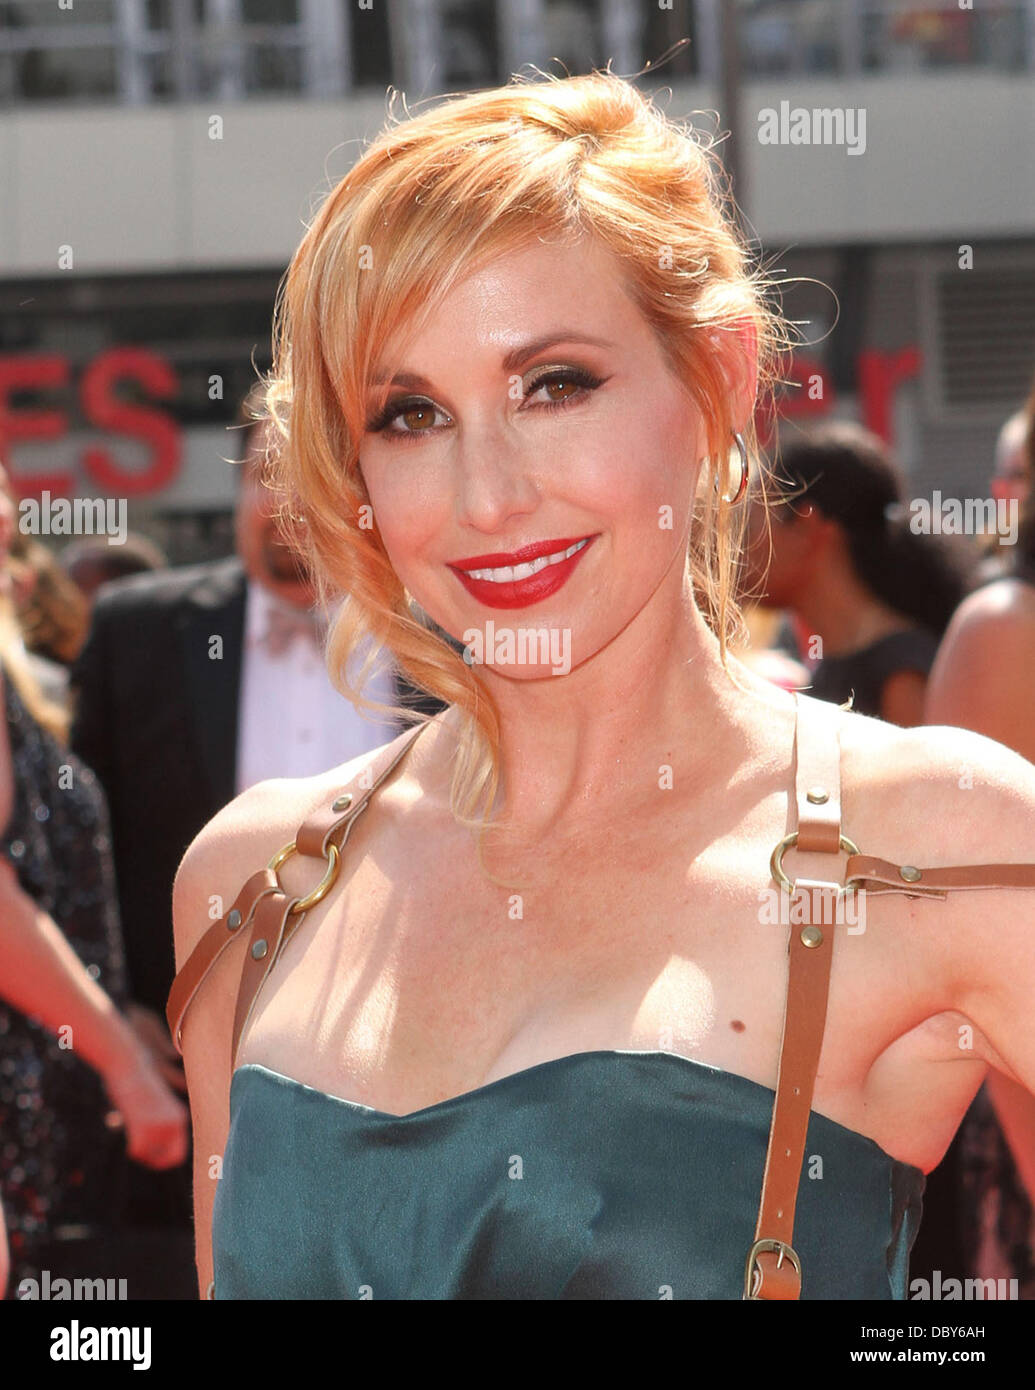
[
  {"x": 206, "y": 872},
  {"x": 986, "y": 811},
  {"x": 43, "y": 977},
  {"x": 982, "y": 680},
  {"x": 239, "y": 840},
  {"x": 983, "y": 675}
]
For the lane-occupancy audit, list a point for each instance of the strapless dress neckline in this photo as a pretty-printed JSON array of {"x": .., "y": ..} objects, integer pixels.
[
  {"x": 503, "y": 1083},
  {"x": 596, "y": 1175}
]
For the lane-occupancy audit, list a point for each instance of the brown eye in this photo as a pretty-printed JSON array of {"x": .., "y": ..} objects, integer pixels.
[
  {"x": 554, "y": 382},
  {"x": 416, "y": 417}
]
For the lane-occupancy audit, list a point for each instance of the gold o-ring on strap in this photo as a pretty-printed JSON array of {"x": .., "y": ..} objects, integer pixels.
[
  {"x": 776, "y": 861},
  {"x": 322, "y": 888}
]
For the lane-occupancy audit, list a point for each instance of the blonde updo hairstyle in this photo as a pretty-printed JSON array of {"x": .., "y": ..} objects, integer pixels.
[{"x": 433, "y": 199}]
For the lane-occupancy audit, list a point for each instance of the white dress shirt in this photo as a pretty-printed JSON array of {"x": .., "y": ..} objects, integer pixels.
[{"x": 291, "y": 720}]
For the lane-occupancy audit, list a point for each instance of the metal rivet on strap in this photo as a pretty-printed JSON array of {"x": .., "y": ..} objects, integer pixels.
[
  {"x": 817, "y": 795},
  {"x": 233, "y": 920},
  {"x": 343, "y": 802},
  {"x": 259, "y": 949},
  {"x": 909, "y": 873},
  {"x": 811, "y": 936}
]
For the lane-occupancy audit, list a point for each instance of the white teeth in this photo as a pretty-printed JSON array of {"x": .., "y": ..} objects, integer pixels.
[{"x": 507, "y": 574}]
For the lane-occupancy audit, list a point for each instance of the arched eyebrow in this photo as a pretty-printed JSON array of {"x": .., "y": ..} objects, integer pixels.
[{"x": 412, "y": 381}]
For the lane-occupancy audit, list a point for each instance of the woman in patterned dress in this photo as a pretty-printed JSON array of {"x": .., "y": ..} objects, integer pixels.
[{"x": 70, "y": 1063}]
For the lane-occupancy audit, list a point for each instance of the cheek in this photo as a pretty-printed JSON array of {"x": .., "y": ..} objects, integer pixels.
[
  {"x": 408, "y": 510},
  {"x": 637, "y": 468},
  {"x": 629, "y": 469}
]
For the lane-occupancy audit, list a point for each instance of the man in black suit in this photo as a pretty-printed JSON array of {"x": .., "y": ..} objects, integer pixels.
[{"x": 194, "y": 683}]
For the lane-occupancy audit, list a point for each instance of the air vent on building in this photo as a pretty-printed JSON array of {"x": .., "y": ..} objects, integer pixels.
[{"x": 982, "y": 338}]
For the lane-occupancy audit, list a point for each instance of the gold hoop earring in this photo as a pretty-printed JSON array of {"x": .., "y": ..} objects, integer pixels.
[{"x": 738, "y": 439}]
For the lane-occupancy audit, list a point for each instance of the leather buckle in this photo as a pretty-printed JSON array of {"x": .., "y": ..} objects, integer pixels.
[
  {"x": 752, "y": 1273},
  {"x": 322, "y": 888}
]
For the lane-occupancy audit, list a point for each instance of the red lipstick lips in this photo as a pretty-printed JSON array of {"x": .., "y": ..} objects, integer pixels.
[{"x": 527, "y": 589}]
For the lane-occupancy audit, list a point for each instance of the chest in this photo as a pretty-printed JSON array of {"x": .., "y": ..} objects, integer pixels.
[{"x": 428, "y": 975}]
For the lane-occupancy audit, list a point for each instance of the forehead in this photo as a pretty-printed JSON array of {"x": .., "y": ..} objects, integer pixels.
[{"x": 519, "y": 297}]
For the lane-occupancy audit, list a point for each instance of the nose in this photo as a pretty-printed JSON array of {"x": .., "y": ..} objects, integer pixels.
[{"x": 496, "y": 479}]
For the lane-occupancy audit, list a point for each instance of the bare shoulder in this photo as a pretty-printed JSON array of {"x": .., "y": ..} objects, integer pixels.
[
  {"x": 1001, "y": 601},
  {"x": 933, "y": 792},
  {"x": 241, "y": 838},
  {"x": 237, "y": 842},
  {"x": 992, "y": 626}
]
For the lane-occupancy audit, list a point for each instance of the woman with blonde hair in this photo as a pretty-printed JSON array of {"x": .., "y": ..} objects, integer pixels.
[{"x": 542, "y": 999}]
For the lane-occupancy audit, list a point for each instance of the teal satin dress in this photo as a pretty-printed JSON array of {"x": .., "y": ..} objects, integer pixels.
[{"x": 599, "y": 1175}]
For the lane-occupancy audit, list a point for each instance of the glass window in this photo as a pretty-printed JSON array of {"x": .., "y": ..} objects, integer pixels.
[
  {"x": 470, "y": 44},
  {"x": 662, "y": 29}
]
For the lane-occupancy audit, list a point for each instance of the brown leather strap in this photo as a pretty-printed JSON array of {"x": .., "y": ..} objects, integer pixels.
[
  {"x": 881, "y": 876},
  {"x": 329, "y": 824},
  {"x": 210, "y": 948},
  {"x": 817, "y": 775},
  {"x": 771, "y": 1272},
  {"x": 264, "y": 905}
]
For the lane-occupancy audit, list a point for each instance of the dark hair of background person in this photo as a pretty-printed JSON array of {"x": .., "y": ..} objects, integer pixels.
[
  {"x": 90, "y": 563},
  {"x": 846, "y": 471}
]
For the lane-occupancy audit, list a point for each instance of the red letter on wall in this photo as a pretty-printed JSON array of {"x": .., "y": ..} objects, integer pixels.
[
  {"x": 18, "y": 374},
  {"x": 103, "y": 409},
  {"x": 880, "y": 375},
  {"x": 798, "y": 400}
]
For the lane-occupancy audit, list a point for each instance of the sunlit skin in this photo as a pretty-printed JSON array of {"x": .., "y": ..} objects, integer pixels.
[
  {"x": 993, "y": 632},
  {"x": 480, "y": 472},
  {"x": 412, "y": 982}
]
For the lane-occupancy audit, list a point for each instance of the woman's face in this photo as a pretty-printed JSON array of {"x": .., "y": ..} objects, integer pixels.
[{"x": 502, "y": 439}]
